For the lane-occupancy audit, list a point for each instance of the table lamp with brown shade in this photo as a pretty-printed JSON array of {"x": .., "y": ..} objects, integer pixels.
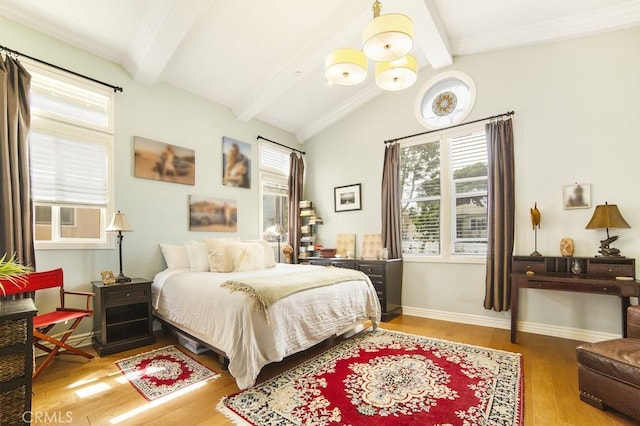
[
  {"x": 119, "y": 224},
  {"x": 607, "y": 216}
]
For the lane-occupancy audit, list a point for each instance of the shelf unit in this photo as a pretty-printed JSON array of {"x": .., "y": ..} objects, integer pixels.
[
  {"x": 122, "y": 316},
  {"x": 308, "y": 230}
]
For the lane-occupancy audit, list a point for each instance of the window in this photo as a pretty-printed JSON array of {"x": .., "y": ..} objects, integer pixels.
[
  {"x": 274, "y": 188},
  {"x": 444, "y": 195},
  {"x": 446, "y": 99},
  {"x": 71, "y": 145}
]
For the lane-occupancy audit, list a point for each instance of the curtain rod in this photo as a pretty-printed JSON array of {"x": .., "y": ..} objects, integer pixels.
[
  {"x": 508, "y": 113},
  {"x": 15, "y": 52},
  {"x": 282, "y": 145}
]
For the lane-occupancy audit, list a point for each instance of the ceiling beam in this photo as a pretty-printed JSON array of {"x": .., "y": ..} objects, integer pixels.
[
  {"x": 430, "y": 35},
  {"x": 167, "y": 25}
]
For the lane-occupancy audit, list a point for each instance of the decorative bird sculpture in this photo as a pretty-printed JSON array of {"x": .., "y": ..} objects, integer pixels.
[{"x": 535, "y": 216}]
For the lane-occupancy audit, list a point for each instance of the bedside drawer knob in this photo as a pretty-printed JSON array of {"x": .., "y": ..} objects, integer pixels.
[{"x": 127, "y": 294}]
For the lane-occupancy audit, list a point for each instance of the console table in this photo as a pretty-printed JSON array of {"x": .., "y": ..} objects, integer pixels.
[{"x": 596, "y": 275}]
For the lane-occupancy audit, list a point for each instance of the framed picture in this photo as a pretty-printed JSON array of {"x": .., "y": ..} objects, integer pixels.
[
  {"x": 236, "y": 163},
  {"x": 576, "y": 196},
  {"x": 347, "y": 198},
  {"x": 162, "y": 161},
  {"x": 211, "y": 214}
]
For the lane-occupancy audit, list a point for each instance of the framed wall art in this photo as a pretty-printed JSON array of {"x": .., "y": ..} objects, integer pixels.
[
  {"x": 212, "y": 214},
  {"x": 576, "y": 196},
  {"x": 347, "y": 198},
  {"x": 236, "y": 163},
  {"x": 162, "y": 161}
]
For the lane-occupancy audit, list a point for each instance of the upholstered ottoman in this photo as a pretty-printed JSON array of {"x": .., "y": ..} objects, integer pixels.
[{"x": 609, "y": 374}]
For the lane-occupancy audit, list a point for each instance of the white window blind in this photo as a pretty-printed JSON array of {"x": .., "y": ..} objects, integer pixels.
[
  {"x": 67, "y": 171},
  {"x": 64, "y": 98},
  {"x": 274, "y": 159},
  {"x": 469, "y": 192}
]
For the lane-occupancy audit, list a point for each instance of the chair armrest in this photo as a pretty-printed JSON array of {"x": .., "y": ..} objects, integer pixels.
[
  {"x": 633, "y": 321},
  {"x": 87, "y": 294}
]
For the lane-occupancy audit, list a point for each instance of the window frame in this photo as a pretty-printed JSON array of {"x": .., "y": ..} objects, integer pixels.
[
  {"x": 447, "y": 198},
  {"x": 270, "y": 174},
  {"x": 46, "y": 122}
]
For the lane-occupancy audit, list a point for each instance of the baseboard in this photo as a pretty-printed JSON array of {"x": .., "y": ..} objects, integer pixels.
[{"x": 524, "y": 326}]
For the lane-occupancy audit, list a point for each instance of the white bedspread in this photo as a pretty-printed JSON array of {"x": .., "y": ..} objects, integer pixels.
[{"x": 229, "y": 321}]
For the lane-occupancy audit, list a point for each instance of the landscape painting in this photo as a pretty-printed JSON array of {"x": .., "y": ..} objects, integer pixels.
[
  {"x": 163, "y": 161},
  {"x": 211, "y": 214}
]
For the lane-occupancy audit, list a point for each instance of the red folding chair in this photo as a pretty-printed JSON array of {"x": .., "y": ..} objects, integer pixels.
[{"x": 43, "y": 323}]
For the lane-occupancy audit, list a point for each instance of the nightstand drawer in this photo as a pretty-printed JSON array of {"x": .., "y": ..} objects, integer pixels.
[
  {"x": 372, "y": 269},
  {"x": 127, "y": 295}
]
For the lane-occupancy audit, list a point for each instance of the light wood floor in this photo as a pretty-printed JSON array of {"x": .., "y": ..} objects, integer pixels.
[{"x": 550, "y": 381}]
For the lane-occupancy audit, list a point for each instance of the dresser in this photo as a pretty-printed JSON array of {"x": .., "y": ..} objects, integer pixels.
[
  {"x": 122, "y": 316},
  {"x": 16, "y": 360},
  {"x": 606, "y": 275},
  {"x": 386, "y": 276}
]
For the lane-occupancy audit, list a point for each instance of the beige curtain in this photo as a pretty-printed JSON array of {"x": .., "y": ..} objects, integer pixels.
[
  {"x": 16, "y": 225},
  {"x": 391, "y": 230},
  {"x": 296, "y": 177},
  {"x": 501, "y": 215}
]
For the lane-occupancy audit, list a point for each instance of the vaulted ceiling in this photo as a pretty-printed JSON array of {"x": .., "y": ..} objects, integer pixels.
[{"x": 265, "y": 59}]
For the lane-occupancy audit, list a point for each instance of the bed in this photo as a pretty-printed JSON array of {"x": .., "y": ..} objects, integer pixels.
[{"x": 251, "y": 335}]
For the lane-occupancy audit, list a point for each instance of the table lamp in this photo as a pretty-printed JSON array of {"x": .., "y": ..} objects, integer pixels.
[
  {"x": 276, "y": 231},
  {"x": 119, "y": 224},
  {"x": 607, "y": 216}
]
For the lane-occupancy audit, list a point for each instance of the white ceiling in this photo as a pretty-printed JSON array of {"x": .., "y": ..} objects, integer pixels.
[{"x": 264, "y": 59}]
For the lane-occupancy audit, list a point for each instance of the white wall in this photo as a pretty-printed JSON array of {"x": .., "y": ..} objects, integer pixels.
[
  {"x": 157, "y": 211},
  {"x": 577, "y": 103}
]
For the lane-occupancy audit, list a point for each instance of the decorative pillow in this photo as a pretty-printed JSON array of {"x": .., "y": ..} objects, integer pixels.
[
  {"x": 246, "y": 256},
  {"x": 218, "y": 258},
  {"x": 269, "y": 256},
  {"x": 197, "y": 253},
  {"x": 175, "y": 256}
]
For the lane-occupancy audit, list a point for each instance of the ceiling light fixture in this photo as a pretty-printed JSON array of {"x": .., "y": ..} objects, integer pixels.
[
  {"x": 387, "y": 39},
  {"x": 346, "y": 67},
  {"x": 398, "y": 74}
]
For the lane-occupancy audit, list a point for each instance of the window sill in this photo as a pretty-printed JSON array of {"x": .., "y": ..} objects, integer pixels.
[{"x": 480, "y": 260}]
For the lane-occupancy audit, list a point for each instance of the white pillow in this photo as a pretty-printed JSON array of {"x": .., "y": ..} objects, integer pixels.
[
  {"x": 218, "y": 259},
  {"x": 197, "y": 253},
  {"x": 269, "y": 256},
  {"x": 246, "y": 256},
  {"x": 175, "y": 256}
]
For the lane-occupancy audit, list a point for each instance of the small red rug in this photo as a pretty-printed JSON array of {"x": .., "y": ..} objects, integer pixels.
[
  {"x": 385, "y": 377},
  {"x": 163, "y": 371}
]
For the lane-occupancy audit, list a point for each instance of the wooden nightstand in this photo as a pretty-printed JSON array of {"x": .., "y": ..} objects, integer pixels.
[{"x": 122, "y": 316}]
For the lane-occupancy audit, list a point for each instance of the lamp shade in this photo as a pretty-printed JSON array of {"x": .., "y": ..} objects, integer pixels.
[
  {"x": 346, "y": 67},
  {"x": 388, "y": 37},
  {"x": 607, "y": 216},
  {"x": 398, "y": 74},
  {"x": 119, "y": 223}
]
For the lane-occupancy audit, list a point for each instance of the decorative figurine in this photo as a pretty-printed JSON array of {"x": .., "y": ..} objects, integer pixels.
[
  {"x": 535, "y": 221},
  {"x": 107, "y": 277},
  {"x": 567, "y": 247}
]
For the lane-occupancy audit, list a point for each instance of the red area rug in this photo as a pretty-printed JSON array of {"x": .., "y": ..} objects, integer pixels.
[
  {"x": 389, "y": 378},
  {"x": 163, "y": 371}
]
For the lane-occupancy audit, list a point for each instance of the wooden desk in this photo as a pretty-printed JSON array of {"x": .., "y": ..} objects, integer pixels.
[{"x": 597, "y": 276}]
